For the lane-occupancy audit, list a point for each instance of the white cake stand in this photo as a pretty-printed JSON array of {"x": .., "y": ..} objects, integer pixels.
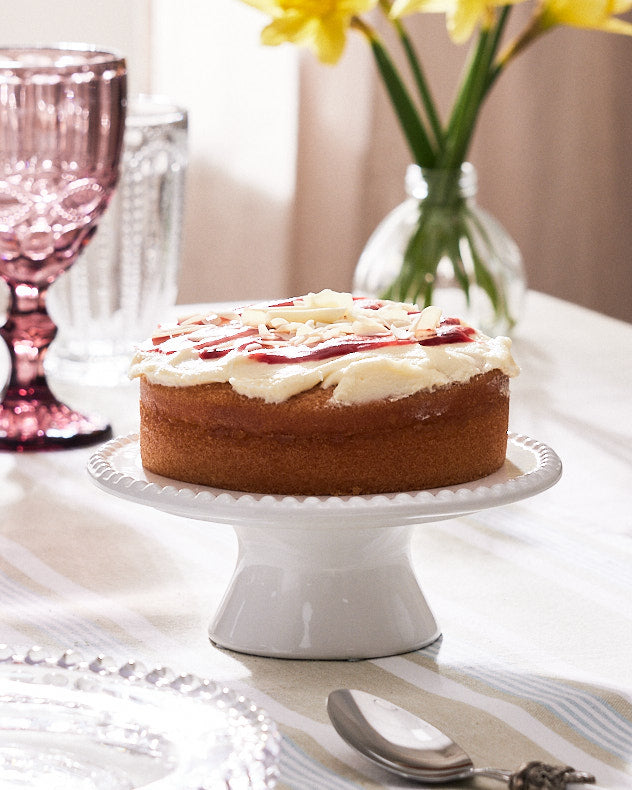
[{"x": 324, "y": 577}]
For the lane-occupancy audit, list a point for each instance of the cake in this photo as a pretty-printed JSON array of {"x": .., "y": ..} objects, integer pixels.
[{"x": 324, "y": 394}]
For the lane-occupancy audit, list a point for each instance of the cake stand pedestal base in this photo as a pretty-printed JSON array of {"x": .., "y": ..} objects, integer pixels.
[
  {"x": 324, "y": 577},
  {"x": 309, "y": 593}
]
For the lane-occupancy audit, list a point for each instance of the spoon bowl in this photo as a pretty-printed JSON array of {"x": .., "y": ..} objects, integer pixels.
[{"x": 406, "y": 745}]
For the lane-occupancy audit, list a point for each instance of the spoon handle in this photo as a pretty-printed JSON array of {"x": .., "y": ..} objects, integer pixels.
[
  {"x": 538, "y": 776},
  {"x": 493, "y": 773}
]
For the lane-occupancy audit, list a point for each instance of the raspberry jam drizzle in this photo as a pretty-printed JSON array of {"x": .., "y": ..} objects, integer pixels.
[
  {"x": 449, "y": 332},
  {"x": 219, "y": 337},
  {"x": 226, "y": 339},
  {"x": 209, "y": 346},
  {"x": 220, "y": 350},
  {"x": 336, "y": 347}
]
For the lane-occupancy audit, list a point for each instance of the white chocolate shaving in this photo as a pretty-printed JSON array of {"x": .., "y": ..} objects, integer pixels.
[{"x": 397, "y": 366}]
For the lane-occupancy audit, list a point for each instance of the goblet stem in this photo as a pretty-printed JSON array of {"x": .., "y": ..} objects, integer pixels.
[
  {"x": 28, "y": 332},
  {"x": 31, "y": 417}
]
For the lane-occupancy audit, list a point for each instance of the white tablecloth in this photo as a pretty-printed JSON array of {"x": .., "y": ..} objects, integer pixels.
[{"x": 533, "y": 598}]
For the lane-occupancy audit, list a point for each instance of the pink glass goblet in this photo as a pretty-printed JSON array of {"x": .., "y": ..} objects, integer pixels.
[{"x": 62, "y": 115}]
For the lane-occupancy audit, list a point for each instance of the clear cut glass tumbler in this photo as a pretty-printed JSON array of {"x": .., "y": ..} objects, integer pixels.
[{"x": 127, "y": 279}]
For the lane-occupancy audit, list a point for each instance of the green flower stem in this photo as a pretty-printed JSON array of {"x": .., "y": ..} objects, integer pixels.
[
  {"x": 433, "y": 238},
  {"x": 450, "y": 231},
  {"x": 470, "y": 223},
  {"x": 533, "y": 30},
  {"x": 421, "y": 82},
  {"x": 499, "y": 27},
  {"x": 447, "y": 228},
  {"x": 480, "y": 75},
  {"x": 425, "y": 249},
  {"x": 414, "y": 131},
  {"x": 461, "y": 126}
]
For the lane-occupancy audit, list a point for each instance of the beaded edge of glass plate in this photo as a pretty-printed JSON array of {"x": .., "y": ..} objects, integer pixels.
[
  {"x": 241, "y": 713},
  {"x": 546, "y": 472}
]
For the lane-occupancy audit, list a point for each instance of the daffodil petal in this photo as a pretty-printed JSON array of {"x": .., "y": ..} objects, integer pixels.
[
  {"x": 403, "y": 7},
  {"x": 590, "y": 14},
  {"x": 325, "y": 37},
  {"x": 320, "y": 25},
  {"x": 617, "y": 26},
  {"x": 581, "y": 13},
  {"x": 462, "y": 16},
  {"x": 290, "y": 28},
  {"x": 463, "y": 20},
  {"x": 329, "y": 43},
  {"x": 352, "y": 7},
  {"x": 267, "y": 6}
]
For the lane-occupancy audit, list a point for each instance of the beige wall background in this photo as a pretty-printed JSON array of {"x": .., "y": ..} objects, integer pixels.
[{"x": 292, "y": 164}]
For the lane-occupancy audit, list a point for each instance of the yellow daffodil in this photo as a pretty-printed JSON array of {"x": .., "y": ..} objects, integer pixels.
[
  {"x": 436, "y": 145},
  {"x": 463, "y": 16},
  {"x": 320, "y": 25},
  {"x": 592, "y": 14}
]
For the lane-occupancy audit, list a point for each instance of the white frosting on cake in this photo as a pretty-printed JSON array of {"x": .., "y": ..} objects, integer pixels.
[{"x": 232, "y": 347}]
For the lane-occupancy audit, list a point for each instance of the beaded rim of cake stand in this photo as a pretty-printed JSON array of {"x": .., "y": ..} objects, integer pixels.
[{"x": 221, "y": 505}]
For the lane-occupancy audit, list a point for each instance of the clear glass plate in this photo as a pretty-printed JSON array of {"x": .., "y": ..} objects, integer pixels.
[{"x": 69, "y": 724}]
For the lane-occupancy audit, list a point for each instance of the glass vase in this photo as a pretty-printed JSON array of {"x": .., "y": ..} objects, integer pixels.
[{"x": 439, "y": 247}]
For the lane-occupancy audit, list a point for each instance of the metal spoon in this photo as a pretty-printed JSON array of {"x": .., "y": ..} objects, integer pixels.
[{"x": 409, "y": 746}]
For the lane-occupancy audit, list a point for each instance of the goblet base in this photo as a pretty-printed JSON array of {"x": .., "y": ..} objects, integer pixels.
[{"x": 43, "y": 423}]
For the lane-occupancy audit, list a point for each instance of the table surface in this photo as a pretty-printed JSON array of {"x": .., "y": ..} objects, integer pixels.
[{"x": 535, "y": 660}]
